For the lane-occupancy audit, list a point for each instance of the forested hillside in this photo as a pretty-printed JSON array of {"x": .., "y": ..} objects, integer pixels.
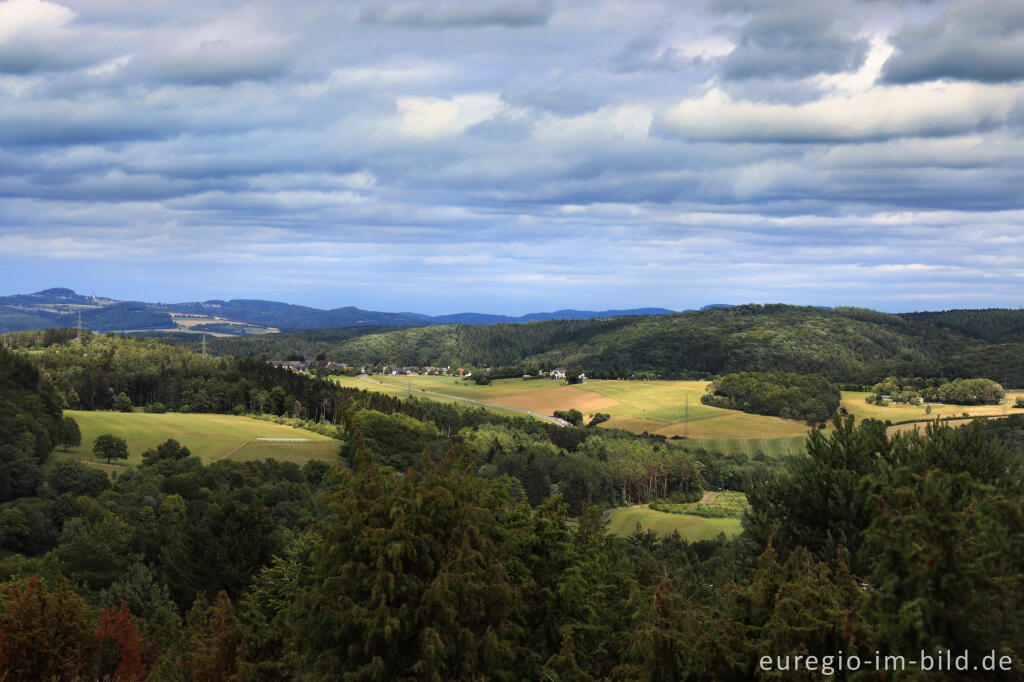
[
  {"x": 995, "y": 325},
  {"x": 845, "y": 344}
]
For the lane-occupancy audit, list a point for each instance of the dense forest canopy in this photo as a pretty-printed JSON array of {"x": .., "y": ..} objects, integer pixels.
[{"x": 809, "y": 397}]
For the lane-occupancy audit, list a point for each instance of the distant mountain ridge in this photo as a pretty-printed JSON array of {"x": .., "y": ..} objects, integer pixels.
[{"x": 60, "y": 307}]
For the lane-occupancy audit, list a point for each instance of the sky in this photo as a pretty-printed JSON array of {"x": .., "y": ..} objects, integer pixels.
[{"x": 509, "y": 156}]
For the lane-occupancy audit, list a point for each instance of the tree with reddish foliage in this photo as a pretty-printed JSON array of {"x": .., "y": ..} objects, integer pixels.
[
  {"x": 44, "y": 633},
  {"x": 119, "y": 645}
]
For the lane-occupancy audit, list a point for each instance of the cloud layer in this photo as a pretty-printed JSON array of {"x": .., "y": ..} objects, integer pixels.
[{"x": 515, "y": 156}]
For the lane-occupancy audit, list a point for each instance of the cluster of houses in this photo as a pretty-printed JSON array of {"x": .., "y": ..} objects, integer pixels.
[
  {"x": 306, "y": 365},
  {"x": 395, "y": 370}
]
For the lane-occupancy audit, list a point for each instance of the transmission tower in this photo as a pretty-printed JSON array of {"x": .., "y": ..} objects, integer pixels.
[
  {"x": 79, "y": 327},
  {"x": 686, "y": 418},
  {"x": 204, "y": 344}
]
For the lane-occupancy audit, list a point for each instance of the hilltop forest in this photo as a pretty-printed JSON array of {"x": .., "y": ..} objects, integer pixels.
[
  {"x": 458, "y": 544},
  {"x": 847, "y": 345}
]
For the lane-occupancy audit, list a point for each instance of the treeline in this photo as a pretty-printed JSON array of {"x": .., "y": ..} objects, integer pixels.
[
  {"x": 809, "y": 397},
  {"x": 43, "y": 338},
  {"x": 305, "y": 344},
  {"x": 150, "y": 372},
  {"x": 957, "y": 392}
]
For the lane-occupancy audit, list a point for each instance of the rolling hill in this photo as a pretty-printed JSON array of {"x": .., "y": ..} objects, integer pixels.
[
  {"x": 60, "y": 307},
  {"x": 847, "y": 344}
]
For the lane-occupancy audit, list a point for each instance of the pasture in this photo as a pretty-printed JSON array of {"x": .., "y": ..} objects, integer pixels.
[
  {"x": 407, "y": 390},
  {"x": 211, "y": 437},
  {"x": 623, "y": 521},
  {"x": 728, "y": 503},
  {"x": 658, "y": 407},
  {"x": 854, "y": 402}
]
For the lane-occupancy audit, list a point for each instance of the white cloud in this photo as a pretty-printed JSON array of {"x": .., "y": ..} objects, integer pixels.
[
  {"x": 881, "y": 112},
  {"x": 432, "y": 117},
  {"x": 31, "y": 18}
]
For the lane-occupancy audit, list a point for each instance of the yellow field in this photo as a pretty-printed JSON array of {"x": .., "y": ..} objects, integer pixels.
[
  {"x": 211, "y": 437},
  {"x": 657, "y": 407},
  {"x": 389, "y": 386},
  {"x": 897, "y": 412}
]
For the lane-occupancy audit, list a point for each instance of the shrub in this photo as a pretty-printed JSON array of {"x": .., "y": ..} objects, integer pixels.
[
  {"x": 122, "y": 403},
  {"x": 155, "y": 408}
]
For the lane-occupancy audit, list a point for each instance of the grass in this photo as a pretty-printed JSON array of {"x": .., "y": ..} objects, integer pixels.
[
  {"x": 392, "y": 387},
  {"x": 653, "y": 406},
  {"x": 211, "y": 437},
  {"x": 854, "y": 402},
  {"x": 729, "y": 503},
  {"x": 623, "y": 521},
  {"x": 658, "y": 407}
]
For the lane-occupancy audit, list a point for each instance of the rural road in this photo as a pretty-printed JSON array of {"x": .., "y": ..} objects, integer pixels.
[
  {"x": 707, "y": 498},
  {"x": 546, "y": 418}
]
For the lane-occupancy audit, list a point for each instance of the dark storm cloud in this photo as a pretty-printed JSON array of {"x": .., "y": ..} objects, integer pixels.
[{"x": 979, "y": 40}]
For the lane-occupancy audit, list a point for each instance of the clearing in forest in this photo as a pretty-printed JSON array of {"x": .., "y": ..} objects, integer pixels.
[
  {"x": 623, "y": 521},
  {"x": 211, "y": 437}
]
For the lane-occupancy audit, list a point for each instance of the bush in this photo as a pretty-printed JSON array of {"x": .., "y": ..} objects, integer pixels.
[
  {"x": 122, "y": 403},
  {"x": 574, "y": 417},
  {"x": 155, "y": 408},
  {"x": 1019, "y": 403},
  {"x": 967, "y": 392}
]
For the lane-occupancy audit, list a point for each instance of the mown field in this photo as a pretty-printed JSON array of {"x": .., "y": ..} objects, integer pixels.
[
  {"x": 388, "y": 386},
  {"x": 658, "y": 407},
  {"x": 899, "y": 412},
  {"x": 661, "y": 407},
  {"x": 211, "y": 437},
  {"x": 623, "y": 521}
]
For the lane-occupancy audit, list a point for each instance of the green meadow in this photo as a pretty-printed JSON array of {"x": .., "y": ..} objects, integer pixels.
[
  {"x": 211, "y": 437},
  {"x": 623, "y": 521}
]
